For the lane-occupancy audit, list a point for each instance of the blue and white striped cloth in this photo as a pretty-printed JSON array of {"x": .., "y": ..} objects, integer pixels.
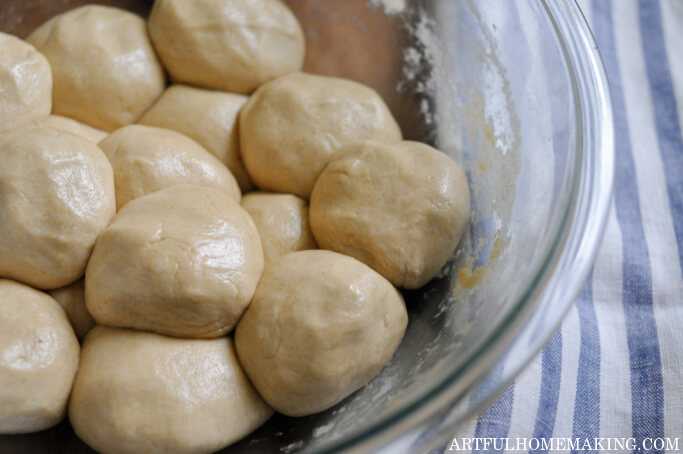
[{"x": 615, "y": 369}]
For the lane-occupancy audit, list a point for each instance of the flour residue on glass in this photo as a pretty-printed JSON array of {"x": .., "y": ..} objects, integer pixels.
[{"x": 389, "y": 6}]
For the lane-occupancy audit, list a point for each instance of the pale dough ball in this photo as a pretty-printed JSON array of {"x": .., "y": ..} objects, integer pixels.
[
  {"x": 183, "y": 261},
  {"x": 401, "y": 209},
  {"x": 72, "y": 300},
  {"x": 282, "y": 223},
  {"x": 291, "y": 127},
  {"x": 71, "y": 126},
  {"x": 145, "y": 393},
  {"x": 209, "y": 117},
  {"x": 320, "y": 326},
  {"x": 232, "y": 45},
  {"x": 146, "y": 159},
  {"x": 25, "y": 84},
  {"x": 38, "y": 359},
  {"x": 56, "y": 196},
  {"x": 104, "y": 67}
]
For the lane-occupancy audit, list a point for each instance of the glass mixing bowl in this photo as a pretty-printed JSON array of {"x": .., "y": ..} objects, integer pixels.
[{"x": 515, "y": 92}]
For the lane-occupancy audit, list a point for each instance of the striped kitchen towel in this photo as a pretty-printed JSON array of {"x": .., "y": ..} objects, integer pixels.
[{"x": 613, "y": 374}]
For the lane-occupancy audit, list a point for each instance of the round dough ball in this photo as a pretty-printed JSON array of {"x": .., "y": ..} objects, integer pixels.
[
  {"x": 56, "y": 196},
  {"x": 72, "y": 300},
  {"x": 232, "y": 45},
  {"x": 401, "y": 209},
  {"x": 320, "y": 326},
  {"x": 146, "y": 159},
  {"x": 145, "y": 393},
  {"x": 206, "y": 116},
  {"x": 291, "y": 127},
  {"x": 104, "y": 67},
  {"x": 25, "y": 84},
  {"x": 183, "y": 261},
  {"x": 38, "y": 359},
  {"x": 282, "y": 223},
  {"x": 74, "y": 127}
]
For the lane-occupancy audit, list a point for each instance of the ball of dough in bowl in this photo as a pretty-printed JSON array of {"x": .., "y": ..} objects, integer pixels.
[
  {"x": 209, "y": 117},
  {"x": 146, "y": 159},
  {"x": 72, "y": 300},
  {"x": 401, "y": 209},
  {"x": 38, "y": 359},
  {"x": 291, "y": 127},
  {"x": 104, "y": 67},
  {"x": 282, "y": 223},
  {"x": 71, "y": 126},
  {"x": 320, "y": 326},
  {"x": 56, "y": 196},
  {"x": 183, "y": 261},
  {"x": 25, "y": 84},
  {"x": 232, "y": 45},
  {"x": 145, "y": 393}
]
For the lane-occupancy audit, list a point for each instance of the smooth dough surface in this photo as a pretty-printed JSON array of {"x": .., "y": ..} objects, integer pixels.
[
  {"x": 25, "y": 84},
  {"x": 231, "y": 45},
  {"x": 72, "y": 300},
  {"x": 105, "y": 71},
  {"x": 401, "y": 209},
  {"x": 38, "y": 359},
  {"x": 146, "y": 159},
  {"x": 291, "y": 127},
  {"x": 143, "y": 393},
  {"x": 282, "y": 223},
  {"x": 72, "y": 126},
  {"x": 320, "y": 326},
  {"x": 183, "y": 261},
  {"x": 56, "y": 196},
  {"x": 209, "y": 117}
]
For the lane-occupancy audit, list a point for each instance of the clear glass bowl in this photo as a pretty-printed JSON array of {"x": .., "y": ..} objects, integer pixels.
[{"x": 515, "y": 92}]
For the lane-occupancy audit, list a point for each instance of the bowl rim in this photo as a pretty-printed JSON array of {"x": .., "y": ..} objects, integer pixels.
[{"x": 571, "y": 255}]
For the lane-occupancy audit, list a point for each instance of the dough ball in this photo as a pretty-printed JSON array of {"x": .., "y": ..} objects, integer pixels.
[
  {"x": 145, "y": 393},
  {"x": 56, "y": 196},
  {"x": 147, "y": 159},
  {"x": 401, "y": 209},
  {"x": 183, "y": 261},
  {"x": 320, "y": 326},
  {"x": 291, "y": 127},
  {"x": 38, "y": 359},
  {"x": 64, "y": 124},
  {"x": 72, "y": 300},
  {"x": 232, "y": 45},
  {"x": 104, "y": 67},
  {"x": 206, "y": 116},
  {"x": 25, "y": 84},
  {"x": 282, "y": 223}
]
